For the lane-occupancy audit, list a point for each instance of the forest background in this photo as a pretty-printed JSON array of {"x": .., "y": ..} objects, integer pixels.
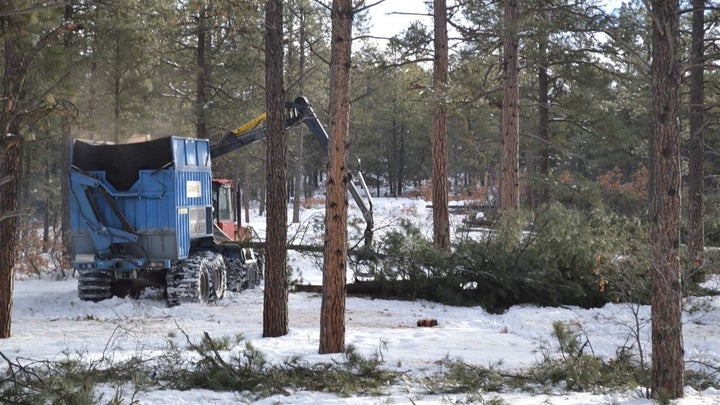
[
  {"x": 591, "y": 86},
  {"x": 135, "y": 70}
]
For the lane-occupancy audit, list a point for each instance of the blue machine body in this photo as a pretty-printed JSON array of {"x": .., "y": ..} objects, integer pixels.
[{"x": 139, "y": 205}]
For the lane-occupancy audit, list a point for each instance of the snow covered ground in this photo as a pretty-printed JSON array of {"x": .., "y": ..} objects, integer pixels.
[{"x": 49, "y": 321}]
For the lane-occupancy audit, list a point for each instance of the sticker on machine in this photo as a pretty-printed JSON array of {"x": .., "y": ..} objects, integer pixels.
[{"x": 193, "y": 189}]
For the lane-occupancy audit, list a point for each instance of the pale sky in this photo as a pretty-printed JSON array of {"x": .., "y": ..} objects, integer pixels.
[{"x": 386, "y": 24}]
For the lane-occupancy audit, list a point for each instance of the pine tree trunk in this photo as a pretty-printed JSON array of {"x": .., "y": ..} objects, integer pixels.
[
  {"x": 401, "y": 164},
  {"x": 9, "y": 166},
  {"x": 393, "y": 158},
  {"x": 65, "y": 187},
  {"x": 204, "y": 41},
  {"x": 66, "y": 131},
  {"x": 541, "y": 194},
  {"x": 275, "y": 310},
  {"x": 332, "y": 311},
  {"x": 263, "y": 196},
  {"x": 117, "y": 93},
  {"x": 510, "y": 142},
  {"x": 696, "y": 177},
  {"x": 245, "y": 191},
  {"x": 47, "y": 206},
  {"x": 666, "y": 301},
  {"x": 300, "y": 131},
  {"x": 19, "y": 53},
  {"x": 298, "y": 177},
  {"x": 439, "y": 158},
  {"x": 14, "y": 74}
]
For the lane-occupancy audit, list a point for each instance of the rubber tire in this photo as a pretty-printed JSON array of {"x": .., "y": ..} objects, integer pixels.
[
  {"x": 190, "y": 281},
  {"x": 218, "y": 278},
  {"x": 94, "y": 285},
  {"x": 241, "y": 275}
]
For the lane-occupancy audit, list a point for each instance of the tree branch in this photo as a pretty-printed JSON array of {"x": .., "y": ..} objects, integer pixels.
[
  {"x": 8, "y": 215},
  {"x": 61, "y": 29},
  {"x": 60, "y": 3}
]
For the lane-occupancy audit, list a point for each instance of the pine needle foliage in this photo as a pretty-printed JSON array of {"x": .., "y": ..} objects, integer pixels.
[
  {"x": 225, "y": 364},
  {"x": 234, "y": 365},
  {"x": 576, "y": 367},
  {"x": 558, "y": 256},
  {"x": 570, "y": 365}
]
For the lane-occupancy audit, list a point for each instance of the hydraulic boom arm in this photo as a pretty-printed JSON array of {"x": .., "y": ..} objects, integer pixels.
[{"x": 298, "y": 112}]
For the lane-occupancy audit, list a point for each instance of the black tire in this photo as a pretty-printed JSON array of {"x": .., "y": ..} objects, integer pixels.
[
  {"x": 218, "y": 279},
  {"x": 193, "y": 280},
  {"x": 94, "y": 285},
  {"x": 242, "y": 275}
]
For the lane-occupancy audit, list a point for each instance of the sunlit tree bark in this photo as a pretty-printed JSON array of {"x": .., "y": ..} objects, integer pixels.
[
  {"x": 666, "y": 302},
  {"x": 696, "y": 177},
  {"x": 332, "y": 312},
  {"x": 20, "y": 51},
  {"x": 275, "y": 311},
  {"x": 510, "y": 145},
  {"x": 441, "y": 217}
]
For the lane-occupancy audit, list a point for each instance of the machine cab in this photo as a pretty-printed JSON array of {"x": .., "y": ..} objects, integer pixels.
[{"x": 223, "y": 212}]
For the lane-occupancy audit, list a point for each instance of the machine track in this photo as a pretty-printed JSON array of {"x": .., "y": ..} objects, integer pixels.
[
  {"x": 201, "y": 278},
  {"x": 94, "y": 285}
]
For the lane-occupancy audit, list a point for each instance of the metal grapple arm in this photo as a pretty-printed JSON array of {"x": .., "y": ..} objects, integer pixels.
[{"x": 298, "y": 112}]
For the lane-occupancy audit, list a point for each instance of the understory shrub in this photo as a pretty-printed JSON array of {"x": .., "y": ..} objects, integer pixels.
[
  {"x": 575, "y": 365},
  {"x": 712, "y": 220},
  {"x": 222, "y": 364},
  {"x": 557, "y": 257},
  {"x": 568, "y": 364}
]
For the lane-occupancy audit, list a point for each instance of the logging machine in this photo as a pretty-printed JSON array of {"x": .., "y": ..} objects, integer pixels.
[{"x": 150, "y": 214}]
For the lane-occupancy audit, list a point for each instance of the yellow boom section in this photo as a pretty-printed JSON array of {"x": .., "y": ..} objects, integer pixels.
[{"x": 250, "y": 124}]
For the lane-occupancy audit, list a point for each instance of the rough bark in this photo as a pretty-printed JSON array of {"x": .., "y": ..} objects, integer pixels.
[
  {"x": 541, "y": 194},
  {"x": 332, "y": 311},
  {"x": 204, "y": 43},
  {"x": 439, "y": 158},
  {"x": 9, "y": 165},
  {"x": 14, "y": 73},
  {"x": 19, "y": 53},
  {"x": 66, "y": 145},
  {"x": 117, "y": 93},
  {"x": 696, "y": 187},
  {"x": 300, "y": 131},
  {"x": 510, "y": 142},
  {"x": 275, "y": 310},
  {"x": 666, "y": 301}
]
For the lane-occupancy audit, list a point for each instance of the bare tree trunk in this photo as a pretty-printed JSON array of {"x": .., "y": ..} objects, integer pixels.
[
  {"x": 65, "y": 187},
  {"x": 9, "y": 166},
  {"x": 510, "y": 142},
  {"x": 26, "y": 156},
  {"x": 696, "y": 186},
  {"x": 439, "y": 158},
  {"x": 263, "y": 196},
  {"x": 300, "y": 131},
  {"x": 666, "y": 301},
  {"x": 204, "y": 43},
  {"x": 245, "y": 191},
  {"x": 14, "y": 74},
  {"x": 401, "y": 163},
  {"x": 66, "y": 130},
  {"x": 541, "y": 194},
  {"x": 47, "y": 206},
  {"x": 275, "y": 311},
  {"x": 117, "y": 92},
  {"x": 19, "y": 53},
  {"x": 332, "y": 311}
]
